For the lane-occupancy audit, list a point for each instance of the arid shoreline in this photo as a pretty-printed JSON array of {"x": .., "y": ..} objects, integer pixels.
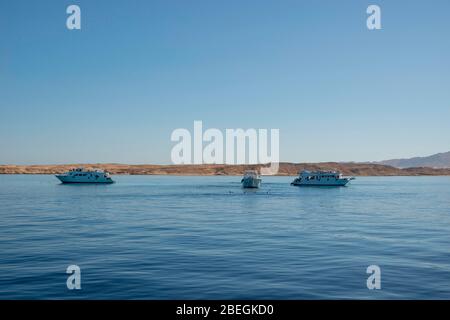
[{"x": 286, "y": 169}]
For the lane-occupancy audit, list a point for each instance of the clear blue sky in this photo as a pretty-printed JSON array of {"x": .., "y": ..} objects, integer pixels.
[{"x": 114, "y": 91}]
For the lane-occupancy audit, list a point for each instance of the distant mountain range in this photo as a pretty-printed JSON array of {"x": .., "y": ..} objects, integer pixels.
[
  {"x": 286, "y": 169},
  {"x": 438, "y": 164},
  {"x": 439, "y": 160}
]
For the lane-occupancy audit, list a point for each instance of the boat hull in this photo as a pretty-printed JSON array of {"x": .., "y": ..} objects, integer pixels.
[
  {"x": 321, "y": 183},
  {"x": 84, "y": 180},
  {"x": 251, "y": 183}
]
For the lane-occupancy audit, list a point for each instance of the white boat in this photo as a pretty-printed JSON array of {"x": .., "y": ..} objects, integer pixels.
[
  {"x": 321, "y": 178},
  {"x": 80, "y": 175},
  {"x": 251, "y": 179}
]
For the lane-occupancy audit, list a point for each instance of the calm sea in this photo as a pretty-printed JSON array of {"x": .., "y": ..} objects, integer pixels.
[{"x": 165, "y": 237}]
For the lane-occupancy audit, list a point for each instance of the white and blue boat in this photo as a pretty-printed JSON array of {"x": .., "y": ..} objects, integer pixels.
[
  {"x": 321, "y": 178},
  {"x": 80, "y": 175},
  {"x": 251, "y": 179}
]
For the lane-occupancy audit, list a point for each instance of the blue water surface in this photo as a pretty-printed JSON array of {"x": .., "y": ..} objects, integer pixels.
[{"x": 167, "y": 237}]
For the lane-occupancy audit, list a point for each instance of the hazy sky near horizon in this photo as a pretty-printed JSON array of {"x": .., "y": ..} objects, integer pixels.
[{"x": 116, "y": 89}]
